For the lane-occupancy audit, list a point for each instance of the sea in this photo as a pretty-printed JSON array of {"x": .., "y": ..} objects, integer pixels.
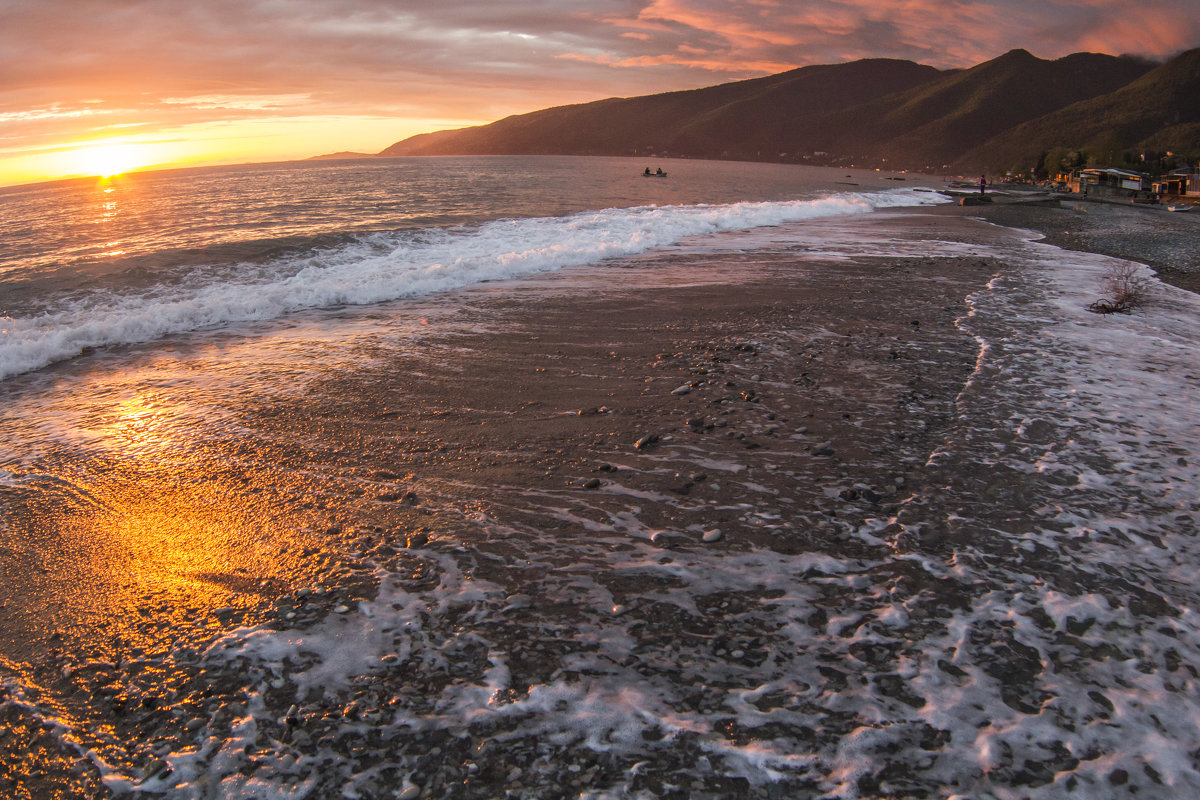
[
  {"x": 186, "y": 612},
  {"x": 136, "y": 258}
]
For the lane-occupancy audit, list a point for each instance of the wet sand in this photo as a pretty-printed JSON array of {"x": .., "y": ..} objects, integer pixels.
[{"x": 593, "y": 448}]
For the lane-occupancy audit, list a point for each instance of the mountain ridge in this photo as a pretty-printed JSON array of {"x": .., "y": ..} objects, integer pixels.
[{"x": 1008, "y": 112}]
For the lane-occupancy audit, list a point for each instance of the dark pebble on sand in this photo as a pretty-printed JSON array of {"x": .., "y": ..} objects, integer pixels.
[{"x": 647, "y": 441}]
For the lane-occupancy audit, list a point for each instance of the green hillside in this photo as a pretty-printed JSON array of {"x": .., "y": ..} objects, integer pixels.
[{"x": 1158, "y": 112}]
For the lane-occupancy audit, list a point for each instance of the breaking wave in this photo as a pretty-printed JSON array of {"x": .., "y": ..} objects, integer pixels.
[{"x": 381, "y": 267}]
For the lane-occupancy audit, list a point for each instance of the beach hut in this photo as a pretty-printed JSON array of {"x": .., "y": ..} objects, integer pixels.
[
  {"x": 1170, "y": 184},
  {"x": 1112, "y": 182}
]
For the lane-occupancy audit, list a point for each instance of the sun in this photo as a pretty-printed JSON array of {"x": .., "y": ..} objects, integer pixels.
[{"x": 106, "y": 160}]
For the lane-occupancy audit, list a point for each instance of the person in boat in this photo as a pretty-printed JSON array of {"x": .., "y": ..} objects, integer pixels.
[
  {"x": 658, "y": 171},
  {"x": 647, "y": 172}
]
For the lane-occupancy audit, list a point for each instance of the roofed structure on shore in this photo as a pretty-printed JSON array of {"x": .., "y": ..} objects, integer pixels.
[
  {"x": 1110, "y": 182},
  {"x": 1113, "y": 178},
  {"x": 1178, "y": 183}
]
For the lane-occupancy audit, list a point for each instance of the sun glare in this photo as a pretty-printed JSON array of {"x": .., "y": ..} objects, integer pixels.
[{"x": 107, "y": 160}]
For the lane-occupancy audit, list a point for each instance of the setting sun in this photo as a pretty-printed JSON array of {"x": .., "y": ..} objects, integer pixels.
[{"x": 107, "y": 160}]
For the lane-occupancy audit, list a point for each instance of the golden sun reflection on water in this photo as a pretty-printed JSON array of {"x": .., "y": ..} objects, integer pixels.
[
  {"x": 171, "y": 541},
  {"x": 138, "y": 424},
  {"x": 151, "y": 512},
  {"x": 168, "y": 547},
  {"x": 150, "y": 546}
]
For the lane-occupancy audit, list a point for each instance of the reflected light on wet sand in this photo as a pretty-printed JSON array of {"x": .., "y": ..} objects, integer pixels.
[
  {"x": 138, "y": 506},
  {"x": 201, "y": 544},
  {"x": 167, "y": 534},
  {"x": 137, "y": 425},
  {"x": 148, "y": 547}
]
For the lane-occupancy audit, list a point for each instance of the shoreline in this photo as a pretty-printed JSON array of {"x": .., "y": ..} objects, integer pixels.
[
  {"x": 1167, "y": 242},
  {"x": 745, "y": 519}
]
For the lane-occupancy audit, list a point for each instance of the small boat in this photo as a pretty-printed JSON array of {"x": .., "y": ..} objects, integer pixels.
[
  {"x": 1180, "y": 209},
  {"x": 659, "y": 174}
]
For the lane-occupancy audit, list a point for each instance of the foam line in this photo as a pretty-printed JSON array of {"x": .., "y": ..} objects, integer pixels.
[{"x": 391, "y": 266}]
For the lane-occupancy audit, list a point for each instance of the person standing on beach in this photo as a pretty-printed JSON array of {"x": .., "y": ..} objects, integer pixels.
[{"x": 982, "y": 184}]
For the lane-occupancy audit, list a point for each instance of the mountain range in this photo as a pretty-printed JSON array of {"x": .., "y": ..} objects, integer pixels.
[{"x": 1015, "y": 112}]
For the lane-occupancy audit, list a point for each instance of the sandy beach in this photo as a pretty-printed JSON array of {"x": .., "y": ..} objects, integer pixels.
[{"x": 770, "y": 522}]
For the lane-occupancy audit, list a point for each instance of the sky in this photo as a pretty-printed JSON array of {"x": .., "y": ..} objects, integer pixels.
[{"x": 103, "y": 86}]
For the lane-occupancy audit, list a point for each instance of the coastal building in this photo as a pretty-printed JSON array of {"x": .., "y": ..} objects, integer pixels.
[
  {"x": 1110, "y": 182},
  {"x": 1171, "y": 185},
  {"x": 1183, "y": 182},
  {"x": 1179, "y": 182}
]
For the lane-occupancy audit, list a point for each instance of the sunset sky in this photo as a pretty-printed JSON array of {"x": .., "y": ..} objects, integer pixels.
[{"x": 89, "y": 86}]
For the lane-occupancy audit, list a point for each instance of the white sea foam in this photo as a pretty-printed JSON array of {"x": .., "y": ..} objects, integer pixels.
[
  {"x": 1117, "y": 388},
  {"x": 1049, "y": 360},
  {"x": 382, "y": 267}
]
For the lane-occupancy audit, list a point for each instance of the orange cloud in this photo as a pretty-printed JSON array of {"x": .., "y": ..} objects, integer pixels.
[{"x": 730, "y": 21}]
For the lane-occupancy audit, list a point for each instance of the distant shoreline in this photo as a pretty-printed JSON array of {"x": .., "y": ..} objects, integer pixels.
[{"x": 1168, "y": 243}]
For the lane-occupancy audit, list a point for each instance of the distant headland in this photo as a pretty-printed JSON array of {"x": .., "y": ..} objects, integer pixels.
[{"x": 1016, "y": 113}]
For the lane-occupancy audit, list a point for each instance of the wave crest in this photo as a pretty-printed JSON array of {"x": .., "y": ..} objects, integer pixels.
[{"x": 390, "y": 266}]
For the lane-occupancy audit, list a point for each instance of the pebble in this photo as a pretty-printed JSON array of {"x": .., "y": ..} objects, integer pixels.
[
  {"x": 646, "y": 441},
  {"x": 712, "y": 535},
  {"x": 681, "y": 390},
  {"x": 155, "y": 767},
  {"x": 668, "y": 538}
]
